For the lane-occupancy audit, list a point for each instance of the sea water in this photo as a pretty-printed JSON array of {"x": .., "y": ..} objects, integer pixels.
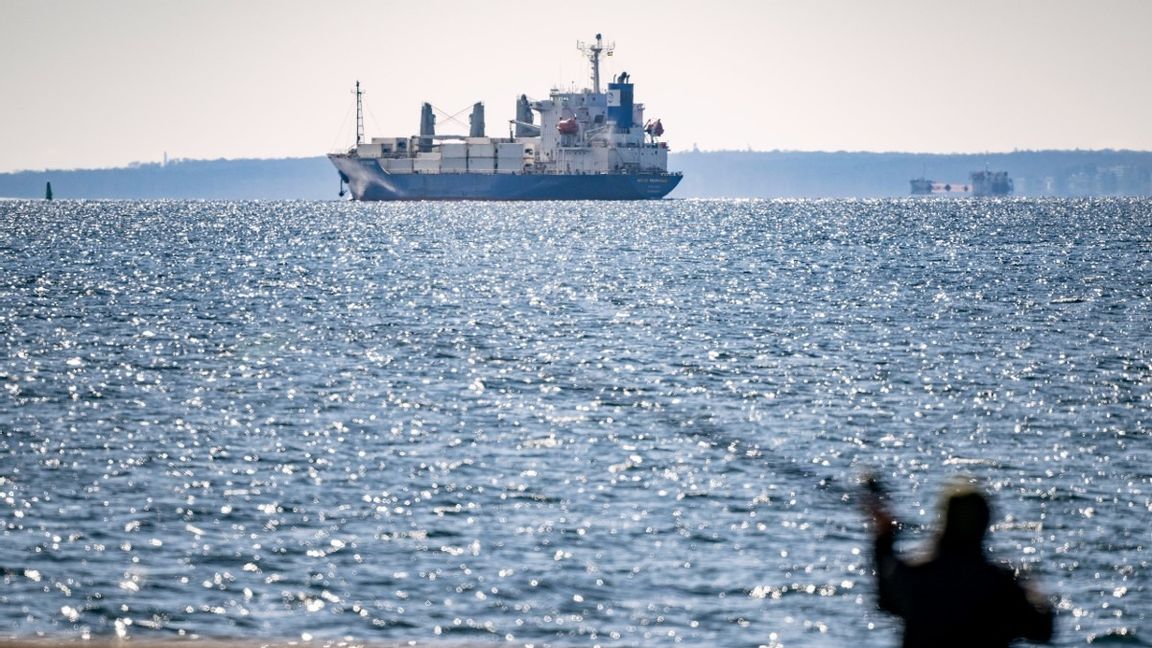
[{"x": 561, "y": 424}]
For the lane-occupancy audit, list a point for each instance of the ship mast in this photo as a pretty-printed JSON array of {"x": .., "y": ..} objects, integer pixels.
[
  {"x": 359, "y": 116},
  {"x": 593, "y": 54}
]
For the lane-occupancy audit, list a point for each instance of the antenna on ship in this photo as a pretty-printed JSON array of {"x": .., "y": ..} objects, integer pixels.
[
  {"x": 593, "y": 54},
  {"x": 359, "y": 115}
]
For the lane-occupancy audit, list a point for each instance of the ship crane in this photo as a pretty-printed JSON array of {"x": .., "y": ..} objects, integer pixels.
[
  {"x": 593, "y": 53},
  {"x": 359, "y": 117}
]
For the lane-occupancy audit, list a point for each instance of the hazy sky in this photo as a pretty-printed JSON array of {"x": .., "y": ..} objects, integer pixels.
[{"x": 90, "y": 84}]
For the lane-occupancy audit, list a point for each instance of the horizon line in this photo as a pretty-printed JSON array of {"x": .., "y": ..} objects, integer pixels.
[{"x": 694, "y": 150}]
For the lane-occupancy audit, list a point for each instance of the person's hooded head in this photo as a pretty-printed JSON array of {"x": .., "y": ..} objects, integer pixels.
[{"x": 965, "y": 514}]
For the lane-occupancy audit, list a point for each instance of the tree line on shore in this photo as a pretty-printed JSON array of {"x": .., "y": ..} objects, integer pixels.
[{"x": 707, "y": 174}]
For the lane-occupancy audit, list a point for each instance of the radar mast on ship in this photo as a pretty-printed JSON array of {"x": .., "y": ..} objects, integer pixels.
[{"x": 593, "y": 53}]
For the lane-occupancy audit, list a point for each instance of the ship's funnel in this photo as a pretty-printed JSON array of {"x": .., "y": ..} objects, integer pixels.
[
  {"x": 620, "y": 104},
  {"x": 427, "y": 127},
  {"x": 477, "y": 120}
]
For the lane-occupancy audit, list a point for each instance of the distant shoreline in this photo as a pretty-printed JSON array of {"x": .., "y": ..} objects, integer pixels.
[
  {"x": 707, "y": 174},
  {"x": 141, "y": 164}
]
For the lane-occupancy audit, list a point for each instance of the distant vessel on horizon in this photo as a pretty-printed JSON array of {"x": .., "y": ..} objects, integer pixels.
[
  {"x": 589, "y": 145},
  {"x": 991, "y": 183},
  {"x": 981, "y": 184}
]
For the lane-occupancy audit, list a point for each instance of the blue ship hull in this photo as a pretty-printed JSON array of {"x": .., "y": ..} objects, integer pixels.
[{"x": 368, "y": 182}]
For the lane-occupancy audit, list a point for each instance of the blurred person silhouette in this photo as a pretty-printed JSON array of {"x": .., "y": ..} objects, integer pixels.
[{"x": 955, "y": 596}]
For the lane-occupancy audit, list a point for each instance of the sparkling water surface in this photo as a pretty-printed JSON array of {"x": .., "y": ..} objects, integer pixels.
[{"x": 561, "y": 424}]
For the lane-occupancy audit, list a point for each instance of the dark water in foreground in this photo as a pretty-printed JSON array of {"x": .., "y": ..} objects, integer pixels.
[{"x": 560, "y": 424}]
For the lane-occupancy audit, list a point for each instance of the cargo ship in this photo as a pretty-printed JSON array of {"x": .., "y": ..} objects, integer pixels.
[
  {"x": 981, "y": 184},
  {"x": 991, "y": 183},
  {"x": 587, "y": 145}
]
